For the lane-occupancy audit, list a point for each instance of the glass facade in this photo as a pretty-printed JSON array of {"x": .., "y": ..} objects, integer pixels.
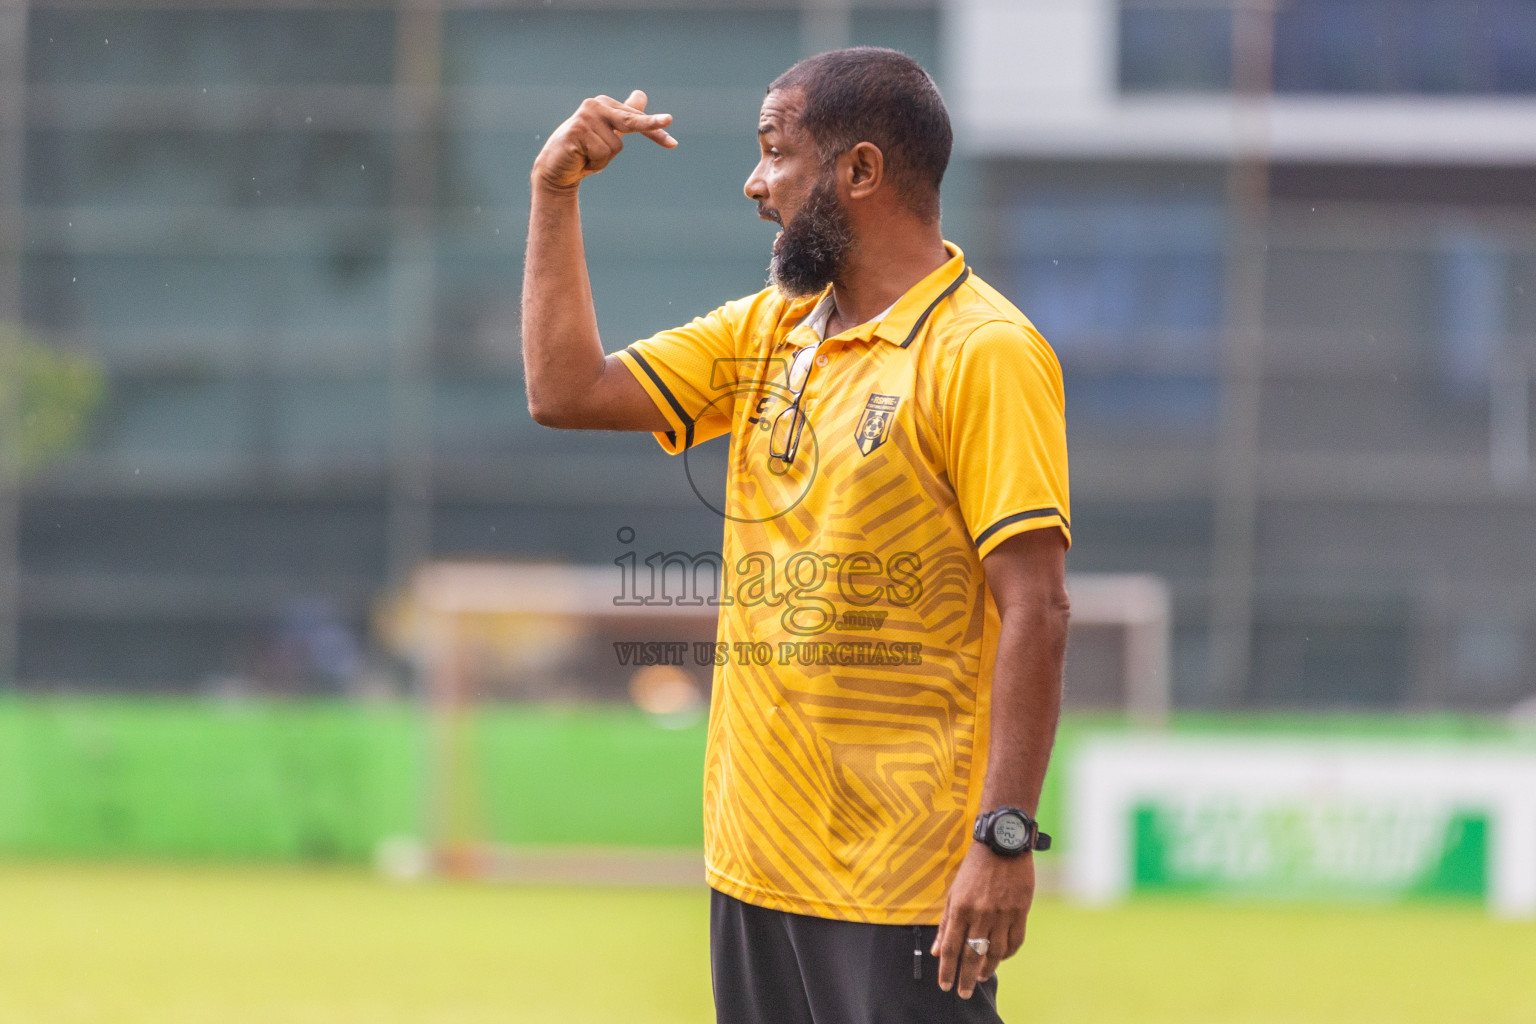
[
  {"x": 1436, "y": 47},
  {"x": 1127, "y": 285},
  {"x": 1392, "y": 415},
  {"x": 1165, "y": 49},
  {"x": 135, "y": 47},
  {"x": 293, "y": 238}
]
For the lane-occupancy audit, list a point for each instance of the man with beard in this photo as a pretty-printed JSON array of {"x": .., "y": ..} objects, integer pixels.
[{"x": 896, "y": 528}]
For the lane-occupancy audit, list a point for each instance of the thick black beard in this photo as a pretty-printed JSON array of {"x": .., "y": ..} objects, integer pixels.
[{"x": 813, "y": 248}]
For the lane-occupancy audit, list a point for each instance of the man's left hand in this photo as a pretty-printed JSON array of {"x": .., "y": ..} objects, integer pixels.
[{"x": 990, "y": 899}]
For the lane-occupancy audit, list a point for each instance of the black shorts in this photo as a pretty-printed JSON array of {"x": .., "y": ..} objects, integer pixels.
[{"x": 776, "y": 968}]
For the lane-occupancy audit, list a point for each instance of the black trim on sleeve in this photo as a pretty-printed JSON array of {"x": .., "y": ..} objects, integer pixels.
[
  {"x": 666, "y": 393},
  {"x": 946, "y": 293},
  {"x": 1019, "y": 517}
]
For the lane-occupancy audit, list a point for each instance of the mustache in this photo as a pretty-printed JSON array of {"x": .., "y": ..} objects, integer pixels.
[{"x": 766, "y": 214}]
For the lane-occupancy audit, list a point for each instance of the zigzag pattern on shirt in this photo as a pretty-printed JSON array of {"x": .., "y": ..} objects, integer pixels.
[{"x": 848, "y": 786}]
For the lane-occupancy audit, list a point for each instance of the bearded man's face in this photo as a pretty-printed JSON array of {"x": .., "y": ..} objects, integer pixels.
[
  {"x": 814, "y": 246},
  {"x": 797, "y": 190}
]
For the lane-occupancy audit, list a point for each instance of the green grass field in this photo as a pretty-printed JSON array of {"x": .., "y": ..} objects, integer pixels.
[{"x": 140, "y": 944}]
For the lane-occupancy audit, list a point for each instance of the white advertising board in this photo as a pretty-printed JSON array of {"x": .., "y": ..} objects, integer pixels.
[{"x": 1294, "y": 819}]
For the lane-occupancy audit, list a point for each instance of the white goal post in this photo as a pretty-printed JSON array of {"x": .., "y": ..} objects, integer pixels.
[
  {"x": 443, "y": 593},
  {"x": 462, "y": 623},
  {"x": 1140, "y": 604}
]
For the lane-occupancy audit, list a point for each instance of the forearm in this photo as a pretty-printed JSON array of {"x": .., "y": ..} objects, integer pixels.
[
  {"x": 1025, "y": 700},
  {"x": 570, "y": 382},
  {"x": 562, "y": 352},
  {"x": 991, "y": 894}
]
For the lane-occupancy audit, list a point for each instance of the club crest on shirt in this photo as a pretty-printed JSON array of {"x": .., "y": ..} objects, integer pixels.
[{"x": 875, "y": 425}]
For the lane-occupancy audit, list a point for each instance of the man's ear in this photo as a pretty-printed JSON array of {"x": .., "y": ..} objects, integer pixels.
[{"x": 863, "y": 170}]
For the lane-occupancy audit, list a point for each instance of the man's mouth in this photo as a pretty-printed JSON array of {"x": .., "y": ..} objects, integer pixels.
[{"x": 773, "y": 215}]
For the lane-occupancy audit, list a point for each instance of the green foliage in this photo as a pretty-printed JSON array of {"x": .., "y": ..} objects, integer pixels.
[{"x": 47, "y": 397}]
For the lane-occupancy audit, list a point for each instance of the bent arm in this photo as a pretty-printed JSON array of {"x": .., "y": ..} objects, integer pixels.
[{"x": 571, "y": 383}]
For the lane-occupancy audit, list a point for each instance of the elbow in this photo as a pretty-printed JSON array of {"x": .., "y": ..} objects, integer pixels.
[
  {"x": 542, "y": 414},
  {"x": 1046, "y": 613},
  {"x": 1050, "y": 613},
  {"x": 1055, "y": 613},
  {"x": 549, "y": 412},
  {"x": 550, "y": 416}
]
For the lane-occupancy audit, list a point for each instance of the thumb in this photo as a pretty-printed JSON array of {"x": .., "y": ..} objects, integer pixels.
[{"x": 637, "y": 99}]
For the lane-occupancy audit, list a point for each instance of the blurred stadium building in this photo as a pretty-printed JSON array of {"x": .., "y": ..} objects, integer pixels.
[{"x": 1295, "y": 301}]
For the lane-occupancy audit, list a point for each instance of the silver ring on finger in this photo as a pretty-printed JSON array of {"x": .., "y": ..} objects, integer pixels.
[{"x": 980, "y": 946}]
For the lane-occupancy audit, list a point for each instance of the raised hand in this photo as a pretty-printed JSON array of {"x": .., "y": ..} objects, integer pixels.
[{"x": 593, "y": 136}]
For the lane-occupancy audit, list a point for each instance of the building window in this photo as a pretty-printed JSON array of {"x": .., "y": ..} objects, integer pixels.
[
  {"x": 1444, "y": 47},
  {"x": 1474, "y": 287},
  {"x": 1167, "y": 50},
  {"x": 210, "y": 47},
  {"x": 1128, "y": 290}
]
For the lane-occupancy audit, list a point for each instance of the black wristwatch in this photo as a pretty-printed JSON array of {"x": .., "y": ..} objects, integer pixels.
[{"x": 1009, "y": 831}]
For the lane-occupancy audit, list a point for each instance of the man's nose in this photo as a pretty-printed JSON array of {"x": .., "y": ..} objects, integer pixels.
[{"x": 756, "y": 189}]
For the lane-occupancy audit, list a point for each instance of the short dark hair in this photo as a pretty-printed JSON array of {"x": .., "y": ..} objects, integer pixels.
[{"x": 871, "y": 94}]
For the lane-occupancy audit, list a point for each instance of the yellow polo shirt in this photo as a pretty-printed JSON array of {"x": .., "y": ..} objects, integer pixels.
[{"x": 848, "y": 725}]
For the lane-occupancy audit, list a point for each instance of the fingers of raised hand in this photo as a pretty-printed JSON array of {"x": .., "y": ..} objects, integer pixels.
[
  {"x": 592, "y": 136},
  {"x": 630, "y": 117}
]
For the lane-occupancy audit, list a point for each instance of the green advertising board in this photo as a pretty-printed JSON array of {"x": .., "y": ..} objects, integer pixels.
[
  {"x": 1282, "y": 850},
  {"x": 1278, "y": 818}
]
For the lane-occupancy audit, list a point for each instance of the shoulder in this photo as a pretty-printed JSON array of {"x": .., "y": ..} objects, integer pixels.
[
  {"x": 983, "y": 300},
  {"x": 985, "y": 330},
  {"x": 732, "y": 326},
  {"x": 764, "y": 309}
]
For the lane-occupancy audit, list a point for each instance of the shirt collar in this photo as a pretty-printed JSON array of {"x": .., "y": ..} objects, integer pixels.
[
  {"x": 899, "y": 323},
  {"x": 900, "y": 326},
  {"x": 816, "y": 320},
  {"x": 802, "y": 312}
]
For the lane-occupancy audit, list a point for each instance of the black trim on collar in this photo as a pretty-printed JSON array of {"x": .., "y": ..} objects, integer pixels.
[{"x": 946, "y": 293}]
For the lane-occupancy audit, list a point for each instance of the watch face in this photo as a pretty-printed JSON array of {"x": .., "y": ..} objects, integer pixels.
[{"x": 1010, "y": 832}]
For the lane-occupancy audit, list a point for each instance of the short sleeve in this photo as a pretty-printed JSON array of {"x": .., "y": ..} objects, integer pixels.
[
  {"x": 689, "y": 372},
  {"x": 1005, "y": 432}
]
